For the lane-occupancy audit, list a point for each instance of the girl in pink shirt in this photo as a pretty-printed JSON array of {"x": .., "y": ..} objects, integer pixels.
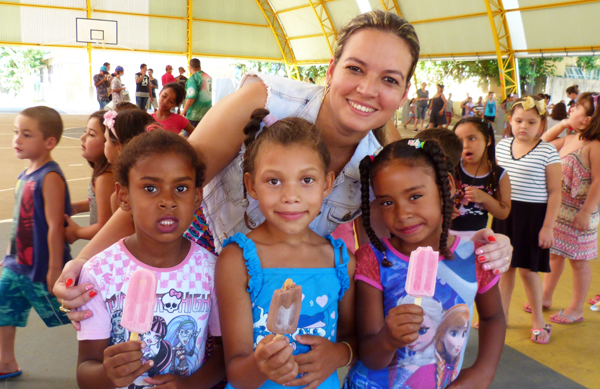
[{"x": 171, "y": 96}]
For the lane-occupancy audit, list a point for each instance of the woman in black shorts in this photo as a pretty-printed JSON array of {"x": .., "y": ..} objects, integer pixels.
[{"x": 437, "y": 110}]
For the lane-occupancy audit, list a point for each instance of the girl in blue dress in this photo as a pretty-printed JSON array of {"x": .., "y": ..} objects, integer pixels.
[{"x": 286, "y": 169}]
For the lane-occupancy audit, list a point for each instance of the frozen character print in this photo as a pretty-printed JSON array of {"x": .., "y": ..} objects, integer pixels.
[
  {"x": 157, "y": 349},
  {"x": 449, "y": 341},
  {"x": 421, "y": 352},
  {"x": 171, "y": 300},
  {"x": 118, "y": 333},
  {"x": 182, "y": 333}
]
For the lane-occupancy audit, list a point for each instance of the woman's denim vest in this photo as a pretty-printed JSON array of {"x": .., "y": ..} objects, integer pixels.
[{"x": 224, "y": 204}]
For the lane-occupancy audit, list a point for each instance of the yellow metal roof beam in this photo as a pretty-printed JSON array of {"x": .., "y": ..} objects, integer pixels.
[
  {"x": 43, "y": 6},
  {"x": 299, "y": 7},
  {"x": 305, "y": 36},
  {"x": 504, "y": 50},
  {"x": 391, "y": 5},
  {"x": 324, "y": 19},
  {"x": 282, "y": 40}
]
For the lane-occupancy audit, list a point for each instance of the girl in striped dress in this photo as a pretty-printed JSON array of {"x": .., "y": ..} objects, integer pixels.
[
  {"x": 533, "y": 167},
  {"x": 576, "y": 229}
]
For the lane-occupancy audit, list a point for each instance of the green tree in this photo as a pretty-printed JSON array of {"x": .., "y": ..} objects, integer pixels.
[
  {"x": 588, "y": 63},
  {"x": 18, "y": 64},
  {"x": 278, "y": 69},
  {"x": 457, "y": 70},
  {"x": 531, "y": 68}
]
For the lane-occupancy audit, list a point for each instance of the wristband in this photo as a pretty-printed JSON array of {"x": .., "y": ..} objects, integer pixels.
[{"x": 351, "y": 354}]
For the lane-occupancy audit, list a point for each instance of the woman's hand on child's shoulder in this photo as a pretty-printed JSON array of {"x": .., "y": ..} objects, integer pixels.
[
  {"x": 402, "y": 325},
  {"x": 495, "y": 252},
  {"x": 319, "y": 363},
  {"x": 275, "y": 359},
  {"x": 123, "y": 363}
]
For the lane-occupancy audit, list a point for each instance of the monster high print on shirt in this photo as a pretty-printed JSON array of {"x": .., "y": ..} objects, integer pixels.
[{"x": 186, "y": 308}]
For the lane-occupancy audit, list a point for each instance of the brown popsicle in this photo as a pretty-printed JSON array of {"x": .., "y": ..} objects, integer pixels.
[{"x": 285, "y": 309}]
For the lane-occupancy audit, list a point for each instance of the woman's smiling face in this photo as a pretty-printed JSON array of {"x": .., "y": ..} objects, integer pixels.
[{"x": 368, "y": 82}]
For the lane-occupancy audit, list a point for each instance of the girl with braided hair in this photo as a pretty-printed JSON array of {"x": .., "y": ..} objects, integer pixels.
[{"x": 413, "y": 191}]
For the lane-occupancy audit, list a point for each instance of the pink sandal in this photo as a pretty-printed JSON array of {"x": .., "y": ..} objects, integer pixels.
[
  {"x": 594, "y": 300},
  {"x": 537, "y": 332}
]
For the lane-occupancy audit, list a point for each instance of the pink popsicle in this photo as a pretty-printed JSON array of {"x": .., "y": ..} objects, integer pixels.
[
  {"x": 140, "y": 300},
  {"x": 422, "y": 273}
]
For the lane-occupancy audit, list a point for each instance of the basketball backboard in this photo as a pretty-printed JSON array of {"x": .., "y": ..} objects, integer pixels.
[{"x": 97, "y": 31}]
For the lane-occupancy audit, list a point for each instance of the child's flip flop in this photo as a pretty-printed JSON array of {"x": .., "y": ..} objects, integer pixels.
[
  {"x": 537, "y": 332},
  {"x": 9, "y": 375},
  {"x": 569, "y": 319},
  {"x": 595, "y": 307},
  {"x": 594, "y": 300}
]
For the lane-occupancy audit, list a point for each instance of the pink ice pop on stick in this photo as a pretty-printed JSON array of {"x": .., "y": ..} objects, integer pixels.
[
  {"x": 140, "y": 300},
  {"x": 422, "y": 273}
]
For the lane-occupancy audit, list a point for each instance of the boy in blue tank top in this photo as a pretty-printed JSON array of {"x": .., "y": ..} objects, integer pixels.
[{"x": 37, "y": 250}]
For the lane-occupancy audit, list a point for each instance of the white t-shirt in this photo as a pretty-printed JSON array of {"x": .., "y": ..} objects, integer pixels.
[
  {"x": 527, "y": 174},
  {"x": 186, "y": 307}
]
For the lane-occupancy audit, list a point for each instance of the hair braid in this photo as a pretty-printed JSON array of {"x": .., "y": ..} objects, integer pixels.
[
  {"x": 441, "y": 171},
  {"x": 365, "y": 206}
]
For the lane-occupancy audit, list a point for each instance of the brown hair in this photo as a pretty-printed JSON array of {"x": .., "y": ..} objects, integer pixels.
[
  {"x": 559, "y": 111},
  {"x": 49, "y": 121},
  {"x": 384, "y": 22},
  {"x": 130, "y": 123},
  {"x": 195, "y": 63},
  {"x": 285, "y": 132},
  {"x": 152, "y": 144},
  {"x": 177, "y": 89},
  {"x": 573, "y": 89},
  {"x": 124, "y": 106},
  {"x": 592, "y": 131},
  {"x": 518, "y": 103},
  {"x": 449, "y": 142},
  {"x": 101, "y": 165}
]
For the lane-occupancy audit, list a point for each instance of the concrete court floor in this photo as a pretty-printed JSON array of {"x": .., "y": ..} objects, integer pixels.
[{"x": 48, "y": 356}]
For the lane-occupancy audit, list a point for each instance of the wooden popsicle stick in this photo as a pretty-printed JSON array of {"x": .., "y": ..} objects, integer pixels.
[
  {"x": 418, "y": 301},
  {"x": 134, "y": 336}
]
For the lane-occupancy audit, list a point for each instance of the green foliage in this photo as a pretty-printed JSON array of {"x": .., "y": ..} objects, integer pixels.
[
  {"x": 18, "y": 64},
  {"x": 588, "y": 63},
  {"x": 278, "y": 69},
  {"x": 314, "y": 71},
  {"x": 531, "y": 68},
  {"x": 457, "y": 70}
]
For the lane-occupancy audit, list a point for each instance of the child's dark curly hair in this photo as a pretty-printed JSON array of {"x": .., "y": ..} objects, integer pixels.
[
  {"x": 154, "y": 144},
  {"x": 428, "y": 155}
]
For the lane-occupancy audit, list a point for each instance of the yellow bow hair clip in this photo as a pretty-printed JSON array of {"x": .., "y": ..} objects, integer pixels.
[{"x": 530, "y": 103}]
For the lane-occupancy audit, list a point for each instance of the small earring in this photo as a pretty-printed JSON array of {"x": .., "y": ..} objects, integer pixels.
[{"x": 327, "y": 87}]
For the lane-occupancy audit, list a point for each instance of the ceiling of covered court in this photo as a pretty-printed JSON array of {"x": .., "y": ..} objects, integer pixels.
[{"x": 303, "y": 31}]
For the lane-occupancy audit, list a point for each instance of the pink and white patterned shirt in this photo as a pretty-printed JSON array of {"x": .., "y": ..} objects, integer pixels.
[{"x": 186, "y": 307}]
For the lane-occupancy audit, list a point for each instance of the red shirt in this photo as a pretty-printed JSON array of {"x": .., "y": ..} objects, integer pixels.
[
  {"x": 175, "y": 123},
  {"x": 167, "y": 78}
]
